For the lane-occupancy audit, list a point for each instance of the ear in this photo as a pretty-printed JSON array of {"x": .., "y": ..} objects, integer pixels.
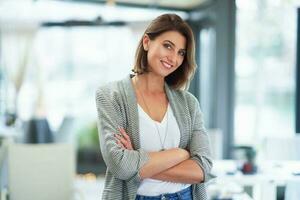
[{"x": 146, "y": 41}]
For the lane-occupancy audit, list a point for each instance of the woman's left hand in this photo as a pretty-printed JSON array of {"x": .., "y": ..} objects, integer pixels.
[{"x": 124, "y": 140}]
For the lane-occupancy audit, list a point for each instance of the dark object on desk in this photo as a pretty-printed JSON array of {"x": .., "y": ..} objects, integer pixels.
[
  {"x": 249, "y": 168},
  {"x": 38, "y": 131},
  {"x": 248, "y": 158}
]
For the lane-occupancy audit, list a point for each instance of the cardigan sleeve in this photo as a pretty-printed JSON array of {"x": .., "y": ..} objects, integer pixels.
[
  {"x": 122, "y": 163},
  {"x": 199, "y": 142}
]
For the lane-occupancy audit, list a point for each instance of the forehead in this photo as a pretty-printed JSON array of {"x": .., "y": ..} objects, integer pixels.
[{"x": 175, "y": 37}]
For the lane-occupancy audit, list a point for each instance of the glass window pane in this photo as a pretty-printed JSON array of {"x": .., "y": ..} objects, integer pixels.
[
  {"x": 265, "y": 70},
  {"x": 70, "y": 63}
]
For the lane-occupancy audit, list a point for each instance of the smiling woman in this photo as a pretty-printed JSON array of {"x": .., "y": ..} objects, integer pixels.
[
  {"x": 151, "y": 129},
  {"x": 174, "y": 38}
]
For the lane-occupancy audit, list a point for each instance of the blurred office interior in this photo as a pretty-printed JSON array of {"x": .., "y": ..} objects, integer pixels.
[{"x": 54, "y": 54}]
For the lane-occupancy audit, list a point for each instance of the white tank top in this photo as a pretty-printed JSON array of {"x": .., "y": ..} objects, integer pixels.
[{"x": 149, "y": 141}]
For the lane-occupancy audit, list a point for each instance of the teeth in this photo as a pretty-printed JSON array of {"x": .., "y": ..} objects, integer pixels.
[{"x": 166, "y": 65}]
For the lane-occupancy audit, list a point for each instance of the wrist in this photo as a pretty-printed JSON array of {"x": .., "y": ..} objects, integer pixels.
[{"x": 184, "y": 153}]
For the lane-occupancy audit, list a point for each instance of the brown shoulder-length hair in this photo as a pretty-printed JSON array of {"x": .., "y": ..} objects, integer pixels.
[{"x": 179, "y": 79}]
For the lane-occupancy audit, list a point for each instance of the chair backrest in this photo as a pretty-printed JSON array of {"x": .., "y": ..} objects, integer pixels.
[
  {"x": 279, "y": 148},
  {"x": 41, "y": 171}
]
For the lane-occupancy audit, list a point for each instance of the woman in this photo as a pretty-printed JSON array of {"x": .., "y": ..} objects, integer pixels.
[{"x": 151, "y": 130}]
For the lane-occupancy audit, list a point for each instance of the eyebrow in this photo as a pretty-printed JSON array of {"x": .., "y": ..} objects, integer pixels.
[{"x": 173, "y": 44}]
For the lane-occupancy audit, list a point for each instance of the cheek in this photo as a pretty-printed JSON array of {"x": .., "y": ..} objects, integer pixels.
[
  {"x": 159, "y": 51},
  {"x": 150, "y": 56},
  {"x": 155, "y": 54}
]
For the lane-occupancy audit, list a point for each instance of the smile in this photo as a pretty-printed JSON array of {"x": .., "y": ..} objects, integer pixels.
[{"x": 167, "y": 65}]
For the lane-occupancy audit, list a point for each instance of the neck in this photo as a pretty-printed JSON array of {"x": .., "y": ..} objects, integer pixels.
[{"x": 150, "y": 83}]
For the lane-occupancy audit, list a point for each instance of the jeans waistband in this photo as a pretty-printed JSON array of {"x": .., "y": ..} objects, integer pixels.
[{"x": 166, "y": 196}]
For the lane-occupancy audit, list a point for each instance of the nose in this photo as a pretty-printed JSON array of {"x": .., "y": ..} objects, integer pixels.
[{"x": 172, "y": 57}]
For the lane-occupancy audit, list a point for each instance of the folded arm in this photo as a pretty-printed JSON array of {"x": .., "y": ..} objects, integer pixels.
[
  {"x": 193, "y": 170},
  {"x": 126, "y": 163},
  {"x": 158, "y": 161},
  {"x": 187, "y": 171},
  {"x": 171, "y": 165}
]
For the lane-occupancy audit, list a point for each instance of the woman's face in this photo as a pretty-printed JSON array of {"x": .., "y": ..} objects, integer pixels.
[{"x": 165, "y": 53}]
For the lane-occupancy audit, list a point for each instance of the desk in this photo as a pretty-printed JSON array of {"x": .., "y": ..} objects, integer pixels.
[{"x": 270, "y": 175}]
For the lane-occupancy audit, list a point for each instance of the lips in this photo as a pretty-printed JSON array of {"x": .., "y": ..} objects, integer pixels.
[{"x": 166, "y": 64}]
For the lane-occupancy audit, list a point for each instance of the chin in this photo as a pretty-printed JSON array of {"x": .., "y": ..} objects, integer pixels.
[{"x": 166, "y": 72}]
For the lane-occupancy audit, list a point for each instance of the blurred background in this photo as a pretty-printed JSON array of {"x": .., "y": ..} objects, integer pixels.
[{"x": 54, "y": 54}]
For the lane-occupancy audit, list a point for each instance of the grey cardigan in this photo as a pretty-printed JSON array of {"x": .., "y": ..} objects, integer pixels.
[{"x": 117, "y": 107}]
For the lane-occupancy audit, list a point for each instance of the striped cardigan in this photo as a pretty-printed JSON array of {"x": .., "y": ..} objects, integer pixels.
[{"x": 117, "y": 107}]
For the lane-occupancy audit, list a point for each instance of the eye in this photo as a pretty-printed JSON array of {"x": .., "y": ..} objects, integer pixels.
[
  {"x": 181, "y": 53},
  {"x": 168, "y": 46}
]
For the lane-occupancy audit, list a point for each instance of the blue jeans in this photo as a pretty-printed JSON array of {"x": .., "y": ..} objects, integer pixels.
[{"x": 185, "y": 194}]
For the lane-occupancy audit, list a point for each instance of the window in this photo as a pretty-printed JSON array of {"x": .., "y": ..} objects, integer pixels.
[
  {"x": 265, "y": 70},
  {"x": 73, "y": 62}
]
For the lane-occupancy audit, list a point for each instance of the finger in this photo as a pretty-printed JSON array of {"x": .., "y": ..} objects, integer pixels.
[
  {"x": 126, "y": 141},
  {"x": 125, "y": 146},
  {"x": 122, "y": 140},
  {"x": 118, "y": 137},
  {"x": 125, "y": 135}
]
